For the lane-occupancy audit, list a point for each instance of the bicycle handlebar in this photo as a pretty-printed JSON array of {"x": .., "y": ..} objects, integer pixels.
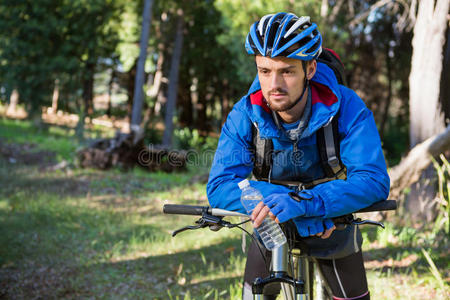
[
  {"x": 176, "y": 209},
  {"x": 380, "y": 206}
]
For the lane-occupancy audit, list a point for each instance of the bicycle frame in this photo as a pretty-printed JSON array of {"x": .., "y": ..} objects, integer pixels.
[
  {"x": 297, "y": 286},
  {"x": 294, "y": 286}
]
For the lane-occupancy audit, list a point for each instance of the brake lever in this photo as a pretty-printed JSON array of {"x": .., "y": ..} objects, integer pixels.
[
  {"x": 342, "y": 222},
  {"x": 370, "y": 222},
  {"x": 215, "y": 223},
  {"x": 190, "y": 227}
]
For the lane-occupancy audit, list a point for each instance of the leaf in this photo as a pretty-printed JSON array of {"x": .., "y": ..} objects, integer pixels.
[{"x": 434, "y": 270}]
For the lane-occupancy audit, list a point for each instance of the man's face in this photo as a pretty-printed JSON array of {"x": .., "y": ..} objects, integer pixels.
[{"x": 281, "y": 80}]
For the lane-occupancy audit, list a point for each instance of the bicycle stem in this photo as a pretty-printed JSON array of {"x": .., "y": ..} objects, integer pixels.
[{"x": 279, "y": 258}]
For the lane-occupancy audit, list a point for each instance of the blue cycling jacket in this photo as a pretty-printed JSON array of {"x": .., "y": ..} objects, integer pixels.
[{"x": 360, "y": 150}]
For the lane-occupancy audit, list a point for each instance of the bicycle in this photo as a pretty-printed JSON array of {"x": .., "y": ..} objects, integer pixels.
[{"x": 291, "y": 267}]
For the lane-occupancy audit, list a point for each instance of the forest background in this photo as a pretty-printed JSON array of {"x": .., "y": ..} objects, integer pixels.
[{"x": 75, "y": 72}]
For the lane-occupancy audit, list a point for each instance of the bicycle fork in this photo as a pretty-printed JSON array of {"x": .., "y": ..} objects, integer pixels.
[{"x": 293, "y": 288}]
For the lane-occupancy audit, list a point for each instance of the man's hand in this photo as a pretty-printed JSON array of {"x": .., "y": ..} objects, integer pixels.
[
  {"x": 327, "y": 233},
  {"x": 305, "y": 227},
  {"x": 287, "y": 206},
  {"x": 315, "y": 226},
  {"x": 259, "y": 213}
]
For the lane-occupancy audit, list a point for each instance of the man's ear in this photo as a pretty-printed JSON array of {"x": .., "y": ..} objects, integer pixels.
[{"x": 311, "y": 68}]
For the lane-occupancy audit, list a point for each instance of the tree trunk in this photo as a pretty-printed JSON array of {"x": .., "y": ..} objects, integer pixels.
[
  {"x": 136, "y": 115},
  {"x": 324, "y": 9},
  {"x": 385, "y": 112},
  {"x": 201, "y": 107},
  {"x": 110, "y": 88},
  {"x": 225, "y": 102},
  {"x": 155, "y": 89},
  {"x": 415, "y": 170},
  {"x": 88, "y": 88},
  {"x": 157, "y": 80},
  {"x": 131, "y": 76},
  {"x": 445, "y": 80},
  {"x": 13, "y": 101},
  {"x": 185, "y": 103},
  {"x": 426, "y": 118},
  {"x": 173, "y": 82},
  {"x": 418, "y": 159},
  {"x": 194, "y": 99},
  {"x": 55, "y": 96}
]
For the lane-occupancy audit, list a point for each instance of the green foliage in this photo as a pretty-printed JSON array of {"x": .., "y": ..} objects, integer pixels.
[
  {"x": 27, "y": 45},
  {"x": 396, "y": 140},
  {"x": 71, "y": 41},
  {"x": 238, "y": 16},
  {"x": 442, "y": 222},
  {"x": 129, "y": 32},
  {"x": 188, "y": 139},
  {"x": 46, "y": 40},
  {"x": 152, "y": 136},
  {"x": 434, "y": 270}
]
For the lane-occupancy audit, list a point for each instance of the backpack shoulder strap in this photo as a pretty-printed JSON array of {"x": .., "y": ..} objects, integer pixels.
[
  {"x": 262, "y": 155},
  {"x": 328, "y": 146},
  {"x": 332, "y": 60}
]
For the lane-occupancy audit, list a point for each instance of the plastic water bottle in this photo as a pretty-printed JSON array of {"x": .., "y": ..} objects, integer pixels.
[{"x": 269, "y": 231}]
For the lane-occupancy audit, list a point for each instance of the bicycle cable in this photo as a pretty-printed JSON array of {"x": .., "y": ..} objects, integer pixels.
[
  {"x": 291, "y": 246},
  {"x": 256, "y": 242}
]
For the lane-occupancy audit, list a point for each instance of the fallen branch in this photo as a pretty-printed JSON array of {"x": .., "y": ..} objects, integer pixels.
[
  {"x": 127, "y": 151},
  {"x": 418, "y": 159}
]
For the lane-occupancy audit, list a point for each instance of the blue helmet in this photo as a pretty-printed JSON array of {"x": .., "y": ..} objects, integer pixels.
[{"x": 284, "y": 34}]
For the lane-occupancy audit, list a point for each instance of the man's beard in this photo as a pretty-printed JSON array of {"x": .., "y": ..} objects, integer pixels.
[
  {"x": 287, "y": 106},
  {"x": 284, "y": 108}
]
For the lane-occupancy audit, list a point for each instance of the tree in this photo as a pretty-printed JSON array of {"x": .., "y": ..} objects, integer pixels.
[
  {"x": 140, "y": 72},
  {"x": 13, "y": 101},
  {"x": 47, "y": 40},
  {"x": 418, "y": 159},
  {"x": 30, "y": 33},
  {"x": 173, "y": 81},
  {"x": 426, "y": 117}
]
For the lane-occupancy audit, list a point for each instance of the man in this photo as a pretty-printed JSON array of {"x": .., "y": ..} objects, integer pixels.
[{"x": 291, "y": 99}]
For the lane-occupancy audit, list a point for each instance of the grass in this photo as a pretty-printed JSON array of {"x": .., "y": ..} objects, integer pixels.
[
  {"x": 57, "y": 139},
  {"x": 87, "y": 234},
  {"x": 91, "y": 234}
]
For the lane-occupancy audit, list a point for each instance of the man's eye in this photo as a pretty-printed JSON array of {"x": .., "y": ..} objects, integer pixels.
[
  {"x": 263, "y": 71},
  {"x": 288, "y": 72}
]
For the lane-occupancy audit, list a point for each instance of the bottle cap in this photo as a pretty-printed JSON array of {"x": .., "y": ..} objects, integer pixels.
[{"x": 243, "y": 184}]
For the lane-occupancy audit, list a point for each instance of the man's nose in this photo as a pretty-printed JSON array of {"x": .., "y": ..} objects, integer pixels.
[{"x": 276, "y": 81}]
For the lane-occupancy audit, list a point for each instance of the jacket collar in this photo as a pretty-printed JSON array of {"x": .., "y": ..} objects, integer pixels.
[{"x": 325, "y": 96}]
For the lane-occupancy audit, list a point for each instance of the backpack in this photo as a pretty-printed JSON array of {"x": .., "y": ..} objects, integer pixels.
[{"x": 327, "y": 140}]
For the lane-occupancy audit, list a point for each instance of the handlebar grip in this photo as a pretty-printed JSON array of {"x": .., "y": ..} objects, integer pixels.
[
  {"x": 176, "y": 209},
  {"x": 380, "y": 206}
]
